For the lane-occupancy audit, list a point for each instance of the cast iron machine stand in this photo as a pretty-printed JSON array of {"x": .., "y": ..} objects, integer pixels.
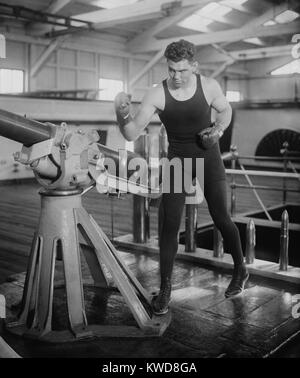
[{"x": 65, "y": 162}]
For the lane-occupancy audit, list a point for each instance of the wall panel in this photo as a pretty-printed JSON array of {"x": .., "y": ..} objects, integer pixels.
[
  {"x": 111, "y": 67},
  {"x": 87, "y": 80},
  {"x": 67, "y": 79},
  {"x": 46, "y": 79}
]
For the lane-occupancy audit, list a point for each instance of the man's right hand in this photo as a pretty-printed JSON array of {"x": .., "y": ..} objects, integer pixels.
[{"x": 122, "y": 108}]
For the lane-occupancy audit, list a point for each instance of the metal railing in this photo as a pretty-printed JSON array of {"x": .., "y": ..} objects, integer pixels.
[{"x": 235, "y": 159}]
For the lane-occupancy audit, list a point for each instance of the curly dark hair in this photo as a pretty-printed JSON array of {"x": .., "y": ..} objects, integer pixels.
[{"x": 182, "y": 49}]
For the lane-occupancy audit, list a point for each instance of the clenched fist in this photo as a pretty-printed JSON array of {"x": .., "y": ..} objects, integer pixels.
[
  {"x": 209, "y": 136},
  {"x": 122, "y": 108}
]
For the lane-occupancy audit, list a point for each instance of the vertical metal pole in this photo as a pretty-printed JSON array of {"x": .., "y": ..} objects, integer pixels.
[
  {"x": 233, "y": 187},
  {"x": 284, "y": 241},
  {"x": 140, "y": 204},
  {"x": 250, "y": 242},
  {"x": 218, "y": 243},
  {"x": 225, "y": 83},
  {"x": 191, "y": 214},
  {"x": 140, "y": 223},
  {"x": 163, "y": 142},
  {"x": 285, "y": 163},
  {"x": 112, "y": 217},
  {"x": 163, "y": 152}
]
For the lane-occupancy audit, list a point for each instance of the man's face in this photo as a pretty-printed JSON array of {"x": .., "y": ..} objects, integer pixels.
[{"x": 180, "y": 72}]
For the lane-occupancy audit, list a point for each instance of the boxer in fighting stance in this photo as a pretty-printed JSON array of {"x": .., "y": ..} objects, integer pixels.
[{"x": 183, "y": 102}]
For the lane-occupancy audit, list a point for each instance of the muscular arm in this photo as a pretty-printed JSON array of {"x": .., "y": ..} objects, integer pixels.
[
  {"x": 221, "y": 105},
  {"x": 139, "y": 122}
]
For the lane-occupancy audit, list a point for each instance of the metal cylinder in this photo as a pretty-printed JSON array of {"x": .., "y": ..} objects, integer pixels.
[
  {"x": 141, "y": 226},
  {"x": 218, "y": 243},
  {"x": 250, "y": 242},
  {"x": 233, "y": 188},
  {"x": 284, "y": 241},
  {"x": 23, "y": 130},
  {"x": 163, "y": 142},
  {"x": 284, "y": 152},
  {"x": 191, "y": 213},
  {"x": 141, "y": 223}
]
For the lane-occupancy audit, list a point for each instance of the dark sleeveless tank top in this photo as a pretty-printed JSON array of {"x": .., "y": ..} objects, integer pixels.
[{"x": 183, "y": 120}]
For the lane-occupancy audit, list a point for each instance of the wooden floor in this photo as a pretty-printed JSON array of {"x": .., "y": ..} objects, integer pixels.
[
  {"x": 204, "y": 324},
  {"x": 20, "y": 206}
]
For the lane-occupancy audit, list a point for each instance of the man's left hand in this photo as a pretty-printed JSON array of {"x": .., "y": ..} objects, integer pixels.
[{"x": 209, "y": 136}]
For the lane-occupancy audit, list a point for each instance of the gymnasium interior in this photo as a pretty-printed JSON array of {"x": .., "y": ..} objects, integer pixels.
[{"x": 79, "y": 246}]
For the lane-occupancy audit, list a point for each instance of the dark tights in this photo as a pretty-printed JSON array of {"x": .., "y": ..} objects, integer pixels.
[{"x": 170, "y": 212}]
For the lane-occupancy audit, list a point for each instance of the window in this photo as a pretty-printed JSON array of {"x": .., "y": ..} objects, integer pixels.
[
  {"x": 11, "y": 81},
  {"x": 288, "y": 69},
  {"x": 109, "y": 89},
  {"x": 233, "y": 96}
]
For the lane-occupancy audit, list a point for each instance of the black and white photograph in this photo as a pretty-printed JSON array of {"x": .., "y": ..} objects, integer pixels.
[{"x": 149, "y": 184}]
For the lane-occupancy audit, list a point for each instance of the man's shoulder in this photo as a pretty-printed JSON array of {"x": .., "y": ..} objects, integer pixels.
[
  {"x": 210, "y": 86},
  {"x": 154, "y": 93},
  {"x": 154, "y": 97},
  {"x": 157, "y": 88},
  {"x": 208, "y": 81}
]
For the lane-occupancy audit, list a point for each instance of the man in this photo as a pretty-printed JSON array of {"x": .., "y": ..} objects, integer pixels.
[{"x": 183, "y": 102}]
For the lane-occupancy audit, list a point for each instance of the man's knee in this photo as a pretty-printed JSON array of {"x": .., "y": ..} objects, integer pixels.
[{"x": 222, "y": 220}]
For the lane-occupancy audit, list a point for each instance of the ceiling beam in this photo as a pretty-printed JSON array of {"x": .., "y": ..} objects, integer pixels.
[
  {"x": 221, "y": 50},
  {"x": 142, "y": 10},
  {"x": 231, "y": 35},
  {"x": 240, "y": 8},
  {"x": 56, "y": 5},
  {"x": 209, "y": 56},
  {"x": 93, "y": 45},
  {"x": 222, "y": 68},
  {"x": 114, "y": 16},
  {"x": 262, "y": 52},
  {"x": 166, "y": 23},
  {"x": 254, "y": 23},
  {"x": 230, "y": 69},
  {"x": 157, "y": 57},
  {"x": 268, "y": 15},
  {"x": 45, "y": 55}
]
